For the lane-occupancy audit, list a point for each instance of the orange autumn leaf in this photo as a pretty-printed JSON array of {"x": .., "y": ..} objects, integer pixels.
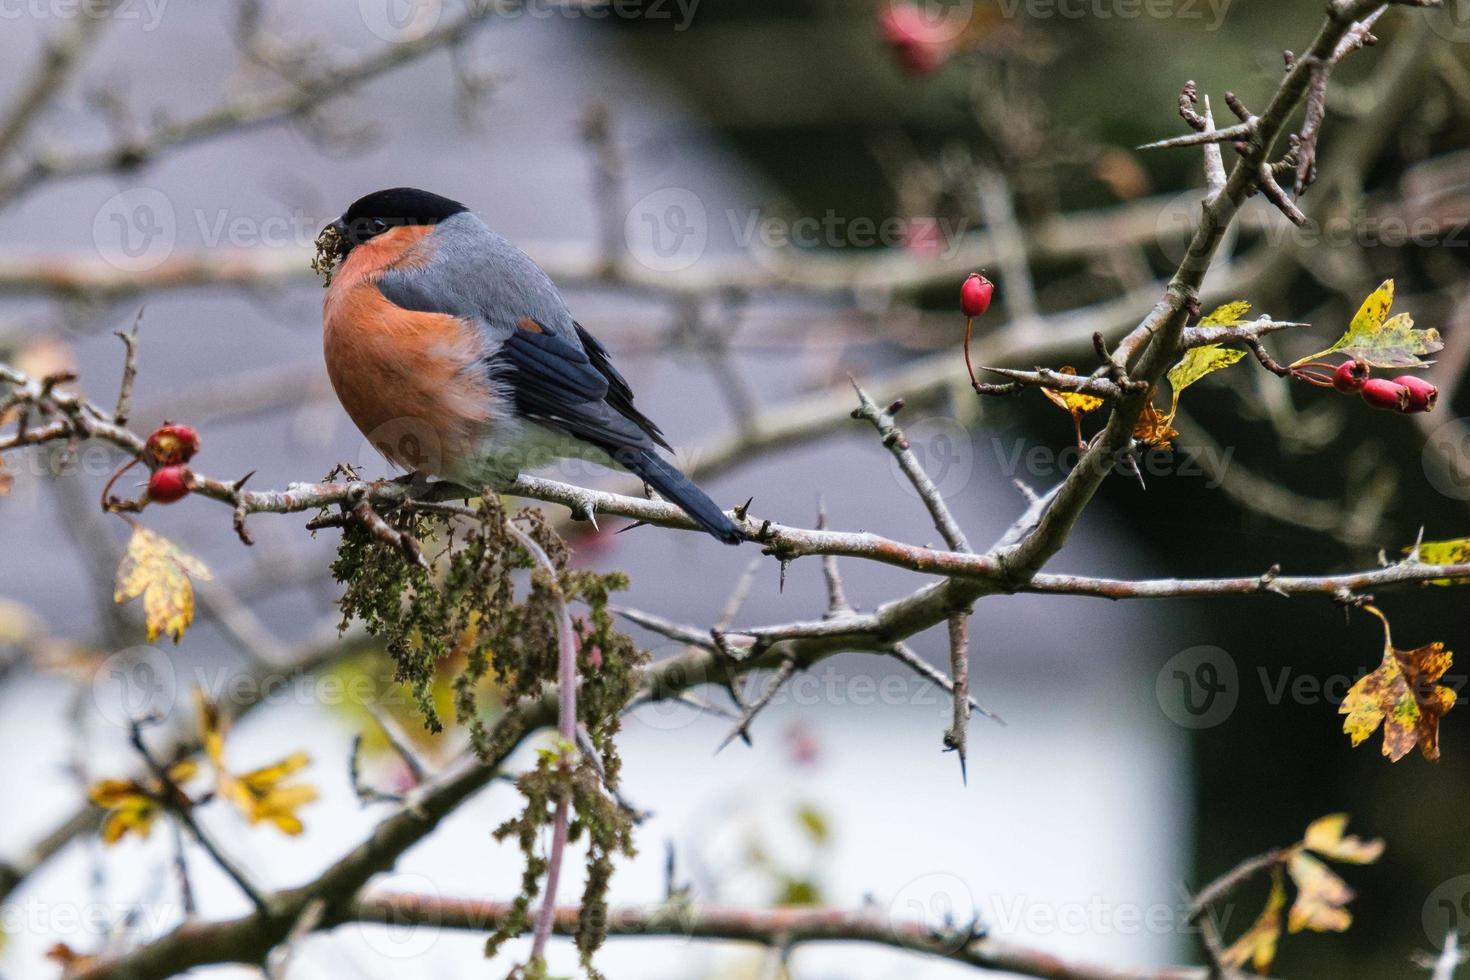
[
  {"x": 1153, "y": 428},
  {"x": 162, "y": 574},
  {"x": 1403, "y": 696},
  {"x": 69, "y": 959}
]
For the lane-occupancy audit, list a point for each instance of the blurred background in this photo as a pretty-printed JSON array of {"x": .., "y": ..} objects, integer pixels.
[{"x": 748, "y": 203}]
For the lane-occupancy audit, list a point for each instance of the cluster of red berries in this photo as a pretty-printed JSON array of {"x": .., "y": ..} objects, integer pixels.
[
  {"x": 166, "y": 452},
  {"x": 1406, "y": 393}
]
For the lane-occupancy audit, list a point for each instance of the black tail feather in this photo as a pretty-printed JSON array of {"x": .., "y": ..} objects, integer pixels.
[{"x": 678, "y": 488}]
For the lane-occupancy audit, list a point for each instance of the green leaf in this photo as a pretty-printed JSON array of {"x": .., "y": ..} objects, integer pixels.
[
  {"x": 1199, "y": 362},
  {"x": 1383, "y": 341},
  {"x": 798, "y": 891},
  {"x": 814, "y": 823},
  {"x": 1226, "y": 315},
  {"x": 1456, "y": 551}
]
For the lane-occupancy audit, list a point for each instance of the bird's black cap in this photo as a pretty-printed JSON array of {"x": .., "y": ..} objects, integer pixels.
[
  {"x": 403, "y": 206},
  {"x": 377, "y": 212}
]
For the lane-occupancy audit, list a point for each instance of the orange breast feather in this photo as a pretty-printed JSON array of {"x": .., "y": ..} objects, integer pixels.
[{"x": 409, "y": 380}]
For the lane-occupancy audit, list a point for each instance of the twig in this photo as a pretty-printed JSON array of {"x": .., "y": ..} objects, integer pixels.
[
  {"x": 181, "y": 871},
  {"x": 174, "y": 799},
  {"x": 897, "y": 444},
  {"x": 904, "y": 655},
  {"x": 61, "y": 57},
  {"x": 246, "y": 112},
  {"x": 837, "y": 604},
  {"x": 566, "y": 730},
  {"x": 360, "y": 788},
  {"x": 959, "y": 667},
  {"x": 747, "y": 715},
  {"x": 130, "y": 371},
  {"x": 1447, "y": 963},
  {"x": 398, "y": 739}
]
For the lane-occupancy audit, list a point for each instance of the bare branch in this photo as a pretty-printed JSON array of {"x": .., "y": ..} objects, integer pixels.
[{"x": 897, "y": 443}]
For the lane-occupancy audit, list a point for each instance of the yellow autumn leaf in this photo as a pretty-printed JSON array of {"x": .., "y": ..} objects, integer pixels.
[
  {"x": 161, "y": 574},
  {"x": 1325, "y": 836},
  {"x": 1321, "y": 896},
  {"x": 1257, "y": 945},
  {"x": 1074, "y": 403},
  {"x": 1383, "y": 341},
  {"x": 1452, "y": 552},
  {"x": 1196, "y": 363},
  {"x": 261, "y": 795},
  {"x": 1403, "y": 695},
  {"x": 1226, "y": 315},
  {"x": 132, "y": 806},
  {"x": 211, "y": 728}
]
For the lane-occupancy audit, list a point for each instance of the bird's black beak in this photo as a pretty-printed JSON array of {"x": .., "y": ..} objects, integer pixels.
[{"x": 338, "y": 229}]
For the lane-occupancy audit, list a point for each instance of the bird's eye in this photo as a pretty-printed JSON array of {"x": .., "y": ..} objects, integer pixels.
[{"x": 379, "y": 226}]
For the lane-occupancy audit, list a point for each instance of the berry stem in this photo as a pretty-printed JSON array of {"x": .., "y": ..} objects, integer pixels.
[
  {"x": 969, "y": 326},
  {"x": 110, "y": 503}
]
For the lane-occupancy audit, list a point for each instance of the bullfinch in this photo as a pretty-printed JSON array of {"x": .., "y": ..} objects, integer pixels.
[{"x": 455, "y": 355}]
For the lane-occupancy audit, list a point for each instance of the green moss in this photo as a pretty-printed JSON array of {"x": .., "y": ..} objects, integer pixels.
[{"x": 479, "y": 600}]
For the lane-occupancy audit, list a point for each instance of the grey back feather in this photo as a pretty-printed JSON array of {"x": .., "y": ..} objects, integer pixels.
[{"x": 476, "y": 273}]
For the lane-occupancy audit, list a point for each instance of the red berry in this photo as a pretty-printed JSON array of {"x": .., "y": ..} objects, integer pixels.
[
  {"x": 172, "y": 444},
  {"x": 1385, "y": 394},
  {"x": 169, "y": 484},
  {"x": 1350, "y": 376},
  {"x": 1422, "y": 394},
  {"x": 975, "y": 295},
  {"x": 919, "y": 46}
]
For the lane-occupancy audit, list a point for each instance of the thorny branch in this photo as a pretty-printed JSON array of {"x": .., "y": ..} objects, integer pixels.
[{"x": 1013, "y": 564}]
